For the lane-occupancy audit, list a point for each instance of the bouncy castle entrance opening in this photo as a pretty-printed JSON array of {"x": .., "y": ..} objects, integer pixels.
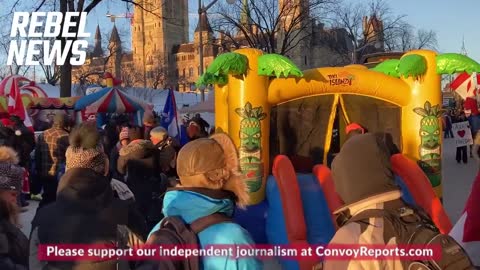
[{"x": 300, "y": 128}]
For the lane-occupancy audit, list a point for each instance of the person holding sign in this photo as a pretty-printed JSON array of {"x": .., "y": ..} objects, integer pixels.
[{"x": 462, "y": 135}]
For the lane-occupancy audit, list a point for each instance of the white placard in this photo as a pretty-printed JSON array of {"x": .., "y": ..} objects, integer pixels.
[{"x": 462, "y": 134}]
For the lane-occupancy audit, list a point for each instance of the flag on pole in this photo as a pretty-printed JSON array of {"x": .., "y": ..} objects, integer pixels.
[
  {"x": 11, "y": 88},
  {"x": 465, "y": 85},
  {"x": 466, "y": 231},
  {"x": 170, "y": 117}
]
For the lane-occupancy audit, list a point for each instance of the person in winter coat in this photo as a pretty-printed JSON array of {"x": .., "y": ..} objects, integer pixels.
[
  {"x": 13, "y": 243},
  {"x": 466, "y": 231},
  {"x": 123, "y": 140},
  {"x": 25, "y": 140},
  {"x": 196, "y": 128},
  {"x": 461, "y": 154},
  {"x": 149, "y": 123},
  {"x": 447, "y": 119},
  {"x": 168, "y": 148},
  {"x": 363, "y": 178},
  {"x": 210, "y": 183},
  {"x": 24, "y": 144},
  {"x": 139, "y": 162},
  {"x": 7, "y": 135},
  {"x": 85, "y": 211},
  {"x": 50, "y": 156}
]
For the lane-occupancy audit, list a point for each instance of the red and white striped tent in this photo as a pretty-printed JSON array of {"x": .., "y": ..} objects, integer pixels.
[{"x": 33, "y": 90}]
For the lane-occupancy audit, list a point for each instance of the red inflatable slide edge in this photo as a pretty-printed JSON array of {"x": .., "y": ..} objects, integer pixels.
[{"x": 421, "y": 190}]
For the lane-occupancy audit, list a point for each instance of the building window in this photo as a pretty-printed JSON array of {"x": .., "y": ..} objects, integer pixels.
[
  {"x": 305, "y": 60},
  {"x": 183, "y": 72},
  {"x": 190, "y": 72}
]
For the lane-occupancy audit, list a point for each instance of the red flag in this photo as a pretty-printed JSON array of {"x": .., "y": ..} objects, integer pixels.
[
  {"x": 465, "y": 85},
  {"x": 10, "y": 86}
]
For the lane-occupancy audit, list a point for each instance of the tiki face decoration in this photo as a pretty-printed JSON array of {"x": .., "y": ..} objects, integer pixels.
[
  {"x": 430, "y": 148},
  {"x": 250, "y": 135},
  {"x": 250, "y": 127}
]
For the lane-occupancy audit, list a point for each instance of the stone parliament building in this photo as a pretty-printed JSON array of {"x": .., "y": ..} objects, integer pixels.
[{"x": 163, "y": 57}]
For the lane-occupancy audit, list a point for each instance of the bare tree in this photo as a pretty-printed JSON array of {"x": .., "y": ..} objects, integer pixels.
[
  {"x": 92, "y": 73},
  {"x": 145, "y": 94},
  {"x": 365, "y": 32},
  {"x": 266, "y": 25},
  {"x": 158, "y": 77},
  {"x": 373, "y": 26},
  {"x": 406, "y": 38},
  {"x": 65, "y": 6},
  {"x": 15, "y": 68},
  {"x": 131, "y": 76}
]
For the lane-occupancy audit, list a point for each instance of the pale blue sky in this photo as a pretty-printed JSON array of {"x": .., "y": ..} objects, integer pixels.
[{"x": 451, "y": 20}]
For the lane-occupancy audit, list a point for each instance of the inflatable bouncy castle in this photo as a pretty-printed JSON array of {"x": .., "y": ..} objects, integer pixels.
[{"x": 288, "y": 207}]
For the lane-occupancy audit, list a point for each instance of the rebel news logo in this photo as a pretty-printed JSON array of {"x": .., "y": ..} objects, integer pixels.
[{"x": 37, "y": 36}]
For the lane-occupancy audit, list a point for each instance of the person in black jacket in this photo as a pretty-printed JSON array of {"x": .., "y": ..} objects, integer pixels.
[
  {"x": 13, "y": 243},
  {"x": 85, "y": 211},
  {"x": 141, "y": 166},
  {"x": 461, "y": 154}
]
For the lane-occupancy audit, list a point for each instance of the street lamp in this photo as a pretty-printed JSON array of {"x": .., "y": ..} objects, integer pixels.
[{"x": 201, "y": 10}]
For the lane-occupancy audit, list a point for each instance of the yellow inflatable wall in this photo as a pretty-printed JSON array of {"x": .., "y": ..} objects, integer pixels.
[{"x": 243, "y": 110}]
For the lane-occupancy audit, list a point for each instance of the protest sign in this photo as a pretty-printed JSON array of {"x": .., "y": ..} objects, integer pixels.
[{"x": 462, "y": 134}]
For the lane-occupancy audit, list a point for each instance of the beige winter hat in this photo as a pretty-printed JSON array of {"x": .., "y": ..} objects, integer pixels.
[{"x": 212, "y": 163}]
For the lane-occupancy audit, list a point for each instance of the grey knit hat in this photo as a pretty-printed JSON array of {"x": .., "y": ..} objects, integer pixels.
[{"x": 11, "y": 175}]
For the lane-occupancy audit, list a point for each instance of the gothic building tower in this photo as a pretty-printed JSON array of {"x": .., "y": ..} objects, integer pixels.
[
  {"x": 115, "y": 53},
  {"x": 155, "y": 33},
  {"x": 373, "y": 31},
  {"x": 97, "y": 49},
  {"x": 295, "y": 17}
]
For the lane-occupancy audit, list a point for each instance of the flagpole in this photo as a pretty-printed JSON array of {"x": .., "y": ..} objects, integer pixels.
[{"x": 176, "y": 114}]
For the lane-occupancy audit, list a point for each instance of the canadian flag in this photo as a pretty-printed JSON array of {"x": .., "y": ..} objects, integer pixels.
[
  {"x": 467, "y": 230},
  {"x": 465, "y": 85},
  {"x": 10, "y": 87}
]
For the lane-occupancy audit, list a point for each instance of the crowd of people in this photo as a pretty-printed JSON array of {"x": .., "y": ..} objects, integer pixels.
[{"x": 131, "y": 185}]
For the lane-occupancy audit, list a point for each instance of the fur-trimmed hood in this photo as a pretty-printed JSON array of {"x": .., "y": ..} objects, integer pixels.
[
  {"x": 8, "y": 155},
  {"x": 137, "y": 146}
]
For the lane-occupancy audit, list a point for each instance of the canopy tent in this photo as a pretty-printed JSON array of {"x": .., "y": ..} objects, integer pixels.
[
  {"x": 207, "y": 106},
  {"x": 110, "y": 100},
  {"x": 53, "y": 103},
  {"x": 34, "y": 90}
]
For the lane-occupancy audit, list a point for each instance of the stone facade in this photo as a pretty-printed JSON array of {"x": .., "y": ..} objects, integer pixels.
[{"x": 162, "y": 57}]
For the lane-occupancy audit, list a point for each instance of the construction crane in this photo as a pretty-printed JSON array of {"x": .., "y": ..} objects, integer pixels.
[{"x": 125, "y": 15}]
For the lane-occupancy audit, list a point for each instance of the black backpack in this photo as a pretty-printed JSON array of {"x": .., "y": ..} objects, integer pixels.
[
  {"x": 412, "y": 226},
  {"x": 174, "y": 232}
]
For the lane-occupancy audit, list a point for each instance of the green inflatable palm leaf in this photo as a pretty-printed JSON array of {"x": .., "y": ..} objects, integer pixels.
[
  {"x": 229, "y": 63},
  {"x": 449, "y": 63},
  {"x": 278, "y": 66},
  {"x": 412, "y": 65},
  {"x": 388, "y": 67},
  {"x": 209, "y": 78}
]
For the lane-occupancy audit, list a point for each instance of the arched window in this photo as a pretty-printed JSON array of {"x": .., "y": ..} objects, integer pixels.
[
  {"x": 183, "y": 72},
  {"x": 190, "y": 72}
]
